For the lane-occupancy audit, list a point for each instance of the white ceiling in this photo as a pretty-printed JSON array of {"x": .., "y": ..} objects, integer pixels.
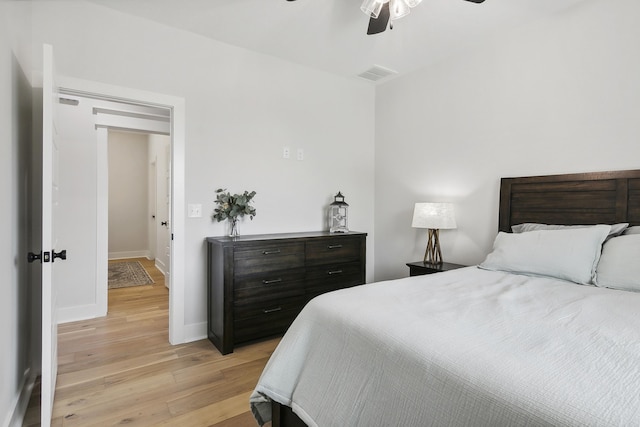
[{"x": 330, "y": 35}]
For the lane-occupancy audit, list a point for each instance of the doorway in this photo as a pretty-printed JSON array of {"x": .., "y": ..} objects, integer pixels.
[
  {"x": 175, "y": 109},
  {"x": 139, "y": 199}
]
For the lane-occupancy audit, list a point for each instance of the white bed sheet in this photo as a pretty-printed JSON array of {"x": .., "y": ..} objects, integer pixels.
[{"x": 468, "y": 347}]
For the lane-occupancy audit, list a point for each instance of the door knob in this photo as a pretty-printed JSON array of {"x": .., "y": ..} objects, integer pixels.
[
  {"x": 62, "y": 255},
  {"x": 31, "y": 257}
]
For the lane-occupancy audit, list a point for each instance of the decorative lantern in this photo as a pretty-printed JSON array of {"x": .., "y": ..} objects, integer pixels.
[{"x": 338, "y": 215}]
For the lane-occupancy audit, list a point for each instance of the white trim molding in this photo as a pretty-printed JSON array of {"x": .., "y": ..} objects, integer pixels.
[
  {"x": 18, "y": 408},
  {"x": 178, "y": 208}
]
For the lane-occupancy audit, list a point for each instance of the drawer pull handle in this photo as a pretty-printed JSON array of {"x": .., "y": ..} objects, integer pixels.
[
  {"x": 334, "y": 272},
  {"x": 272, "y": 310},
  {"x": 334, "y": 246},
  {"x": 277, "y": 251},
  {"x": 269, "y": 282}
]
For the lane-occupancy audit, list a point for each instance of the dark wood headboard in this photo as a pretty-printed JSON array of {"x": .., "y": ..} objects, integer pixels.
[{"x": 582, "y": 198}]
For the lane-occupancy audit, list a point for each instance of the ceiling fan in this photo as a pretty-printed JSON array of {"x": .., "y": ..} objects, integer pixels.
[{"x": 382, "y": 12}]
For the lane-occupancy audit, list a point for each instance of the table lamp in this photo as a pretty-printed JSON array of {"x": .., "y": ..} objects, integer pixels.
[{"x": 434, "y": 217}]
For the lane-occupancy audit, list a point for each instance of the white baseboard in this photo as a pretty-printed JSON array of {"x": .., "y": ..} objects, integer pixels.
[
  {"x": 80, "y": 312},
  {"x": 163, "y": 269},
  {"x": 195, "y": 332},
  {"x": 130, "y": 254},
  {"x": 18, "y": 408},
  {"x": 161, "y": 266}
]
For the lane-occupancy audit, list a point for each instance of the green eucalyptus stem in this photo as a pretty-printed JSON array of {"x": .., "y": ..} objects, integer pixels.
[{"x": 234, "y": 206}]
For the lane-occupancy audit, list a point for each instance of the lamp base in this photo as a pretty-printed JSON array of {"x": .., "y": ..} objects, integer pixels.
[{"x": 433, "y": 255}]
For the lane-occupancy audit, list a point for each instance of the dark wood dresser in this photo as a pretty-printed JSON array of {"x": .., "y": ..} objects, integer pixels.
[{"x": 257, "y": 284}]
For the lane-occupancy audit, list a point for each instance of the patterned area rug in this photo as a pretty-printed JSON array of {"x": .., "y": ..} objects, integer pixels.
[{"x": 128, "y": 273}]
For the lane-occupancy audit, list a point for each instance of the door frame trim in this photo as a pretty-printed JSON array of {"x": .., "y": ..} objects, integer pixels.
[
  {"x": 102, "y": 213},
  {"x": 178, "y": 226}
]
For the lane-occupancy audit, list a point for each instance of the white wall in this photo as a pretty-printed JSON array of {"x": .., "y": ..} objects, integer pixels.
[
  {"x": 128, "y": 194},
  {"x": 17, "y": 366},
  {"x": 242, "y": 108},
  {"x": 558, "y": 96}
]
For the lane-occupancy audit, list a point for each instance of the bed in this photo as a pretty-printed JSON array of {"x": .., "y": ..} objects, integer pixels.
[{"x": 528, "y": 337}]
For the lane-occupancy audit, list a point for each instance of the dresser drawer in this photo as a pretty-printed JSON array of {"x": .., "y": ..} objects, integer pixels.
[
  {"x": 267, "y": 309},
  {"x": 268, "y": 257},
  {"x": 252, "y": 329},
  {"x": 334, "y": 276},
  {"x": 268, "y": 286},
  {"x": 256, "y": 321},
  {"x": 331, "y": 250}
]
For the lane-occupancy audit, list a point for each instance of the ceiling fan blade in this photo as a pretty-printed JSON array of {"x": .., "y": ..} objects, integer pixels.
[
  {"x": 379, "y": 24},
  {"x": 476, "y": 1}
]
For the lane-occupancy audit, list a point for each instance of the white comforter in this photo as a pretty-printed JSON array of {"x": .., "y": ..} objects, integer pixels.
[{"x": 464, "y": 348}]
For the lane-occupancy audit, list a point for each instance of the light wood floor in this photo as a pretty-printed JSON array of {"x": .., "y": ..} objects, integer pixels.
[{"x": 121, "y": 369}]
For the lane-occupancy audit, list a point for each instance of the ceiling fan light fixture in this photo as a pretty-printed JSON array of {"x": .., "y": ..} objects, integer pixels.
[
  {"x": 412, "y": 3},
  {"x": 382, "y": 13},
  {"x": 372, "y": 8},
  {"x": 398, "y": 9}
]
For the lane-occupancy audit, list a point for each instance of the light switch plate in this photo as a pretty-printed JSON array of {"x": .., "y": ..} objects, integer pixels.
[{"x": 195, "y": 210}]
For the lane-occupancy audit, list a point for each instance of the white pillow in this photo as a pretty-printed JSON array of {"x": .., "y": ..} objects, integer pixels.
[
  {"x": 632, "y": 230},
  {"x": 619, "y": 265},
  {"x": 569, "y": 254},
  {"x": 616, "y": 229}
]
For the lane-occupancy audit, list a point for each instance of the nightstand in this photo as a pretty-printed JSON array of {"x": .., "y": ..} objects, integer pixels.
[{"x": 419, "y": 268}]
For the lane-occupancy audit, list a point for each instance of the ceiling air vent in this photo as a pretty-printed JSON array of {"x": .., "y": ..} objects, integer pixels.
[{"x": 376, "y": 73}]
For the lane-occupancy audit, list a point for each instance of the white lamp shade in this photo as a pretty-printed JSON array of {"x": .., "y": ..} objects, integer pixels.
[
  {"x": 398, "y": 9},
  {"x": 436, "y": 216}
]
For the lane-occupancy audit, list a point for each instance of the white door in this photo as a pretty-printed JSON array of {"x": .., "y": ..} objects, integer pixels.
[
  {"x": 153, "y": 209},
  {"x": 163, "y": 205},
  {"x": 166, "y": 241},
  {"x": 49, "y": 254}
]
